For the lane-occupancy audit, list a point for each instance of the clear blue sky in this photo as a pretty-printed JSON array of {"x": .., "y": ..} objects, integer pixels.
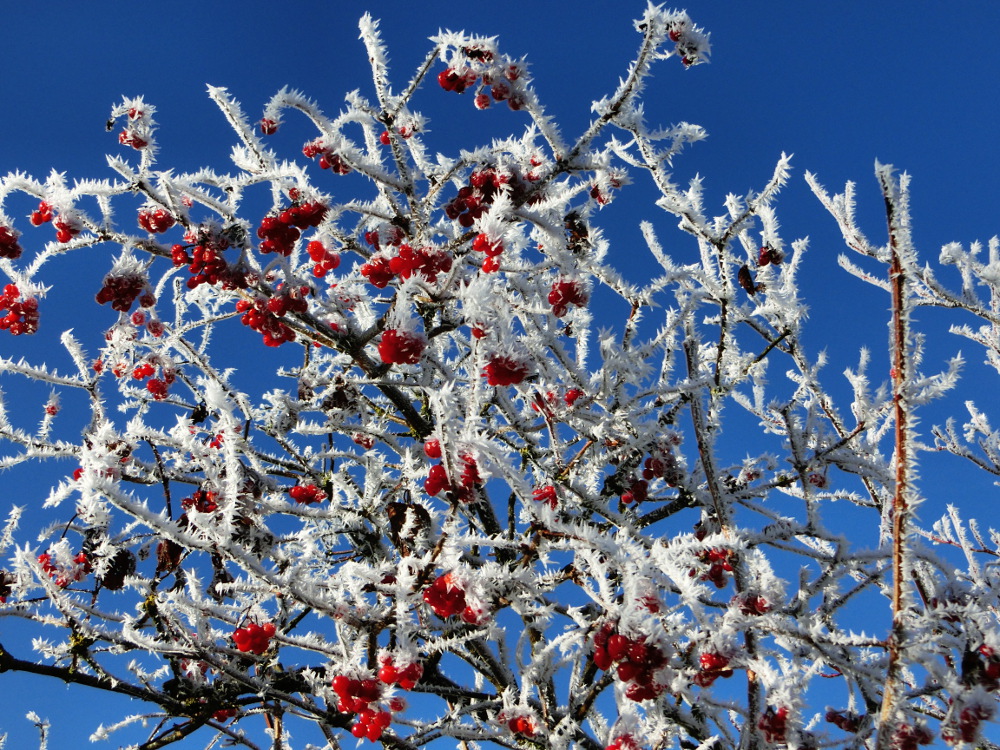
[{"x": 837, "y": 84}]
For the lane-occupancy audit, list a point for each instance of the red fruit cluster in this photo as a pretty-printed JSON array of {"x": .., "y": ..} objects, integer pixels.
[
  {"x": 22, "y": 314},
  {"x": 663, "y": 465},
  {"x": 752, "y": 604},
  {"x": 61, "y": 575},
  {"x": 254, "y": 638},
  {"x": 713, "y": 666},
  {"x": 446, "y": 597},
  {"x": 473, "y": 199},
  {"x": 328, "y": 159},
  {"x": 522, "y": 725},
  {"x": 564, "y": 294},
  {"x": 505, "y": 370},
  {"x": 264, "y": 315},
  {"x": 9, "y": 246},
  {"x": 157, "y": 387},
  {"x": 464, "y": 491},
  {"x": 203, "y": 501},
  {"x": 687, "y": 45},
  {"x": 638, "y": 492},
  {"x": 206, "y": 264},
  {"x": 401, "y": 347},
  {"x": 907, "y": 737},
  {"x": 325, "y": 259},
  {"x": 451, "y": 80},
  {"x": 427, "y": 261},
  {"x": 42, "y": 214},
  {"x": 965, "y": 727},
  {"x": 491, "y": 249},
  {"x": 546, "y": 494},
  {"x": 121, "y": 291},
  {"x": 637, "y": 660},
  {"x": 156, "y": 220},
  {"x": 280, "y": 233},
  {"x": 405, "y": 677},
  {"x": 719, "y": 562},
  {"x": 500, "y": 79},
  {"x": 623, "y": 742},
  {"x": 404, "y": 132},
  {"x": 358, "y": 696},
  {"x": 67, "y": 228},
  {"x": 768, "y": 254},
  {"x": 849, "y": 721},
  {"x": 773, "y": 724},
  {"x": 307, "y": 494},
  {"x": 131, "y": 138}
]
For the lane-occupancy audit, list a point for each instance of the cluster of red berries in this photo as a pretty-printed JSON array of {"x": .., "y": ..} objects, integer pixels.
[
  {"x": 546, "y": 405},
  {"x": 328, "y": 159},
  {"x": 307, "y": 494},
  {"x": 500, "y": 78},
  {"x": 564, "y": 294},
  {"x": 401, "y": 347},
  {"x": 42, "y": 214},
  {"x": 358, "y": 697},
  {"x": 637, "y": 660},
  {"x": 157, "y": 387},
  {"x": 254, "y": 638},
  {"x": 204, "y": 501},
  {"x": 325, "y": 259},
  {"x": 965, "y": 727},
  {"x": 153, "y": 325},
  {"x": 206, "y": 264},
  {"x": 519, "y": 724},
  {"x": 9, "y": 246},
  {"x": 131, "y": 138},
  {"x": 64, "y": 575},
  {"x": 623, "y": 742},
  {"x": 661, "y": 464},
  {"x": 713, "y": 666},
  {"x": 474, "y": 199},
  {"x": 280, "y": 233},
  {"x": 752, "y": 604},
  {"x": 264, "y": 315},
  {"x": 22, "y": 314},
  {"x": 67, "y": 227},
  {"x": 404, "y": 132},
  {"x": 492, "y": 249},
  {"x": 637, "y": 492},
  {"x": 156, "y": 220},
  {"x": 122, "y": 290},
  {"x": 427, "y": 261},
  {"x": 849, "y": 721},
  {"x": 446, "y": 597},
  {"x": 392, "y": 673},
  {"x": 768, "y": 254},
  {"x": 908, "y": 737},
  {"x": 719, "y": 562},
  {"x": 465, "y": 490},
  {"x": 505, "y": 370},
  {"x": 546, "y": 494},
  {"x": 687, "y": 44},
  {"x": 773, "y": 724}
]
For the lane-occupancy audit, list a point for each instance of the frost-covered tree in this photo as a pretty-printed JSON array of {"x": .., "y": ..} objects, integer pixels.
[{"x": 425, "y": 501}]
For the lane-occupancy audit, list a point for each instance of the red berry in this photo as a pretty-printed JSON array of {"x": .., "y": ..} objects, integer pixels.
[
  {"x": 432, "y": 449},
  {"x": 268, "y": 127},
  {"x": 401, "y": 347},
  {"x": 504, "y": 370}
]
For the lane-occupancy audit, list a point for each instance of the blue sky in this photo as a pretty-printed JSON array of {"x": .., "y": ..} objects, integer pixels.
[{"x": 837, "y": 84}]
